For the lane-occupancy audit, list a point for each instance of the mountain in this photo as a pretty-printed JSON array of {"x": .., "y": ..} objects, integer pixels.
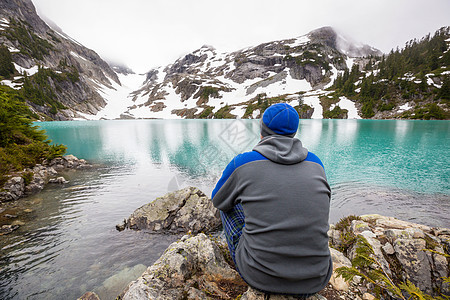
[
  {"x": 411, "y": 83},
  {"x": 207, "y": 84},
  {"x": 59, "y": 78},
  {"x": 323, "y": 74}
]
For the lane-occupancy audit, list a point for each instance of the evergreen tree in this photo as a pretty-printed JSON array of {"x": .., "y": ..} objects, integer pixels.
[{"x": 6, "y": 65}]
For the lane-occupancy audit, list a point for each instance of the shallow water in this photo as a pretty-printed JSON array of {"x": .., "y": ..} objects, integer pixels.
[{"x": 68, "y": 243}]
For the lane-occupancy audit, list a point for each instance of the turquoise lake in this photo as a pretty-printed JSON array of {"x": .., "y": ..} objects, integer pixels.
[{"x": 69, "y": 244}]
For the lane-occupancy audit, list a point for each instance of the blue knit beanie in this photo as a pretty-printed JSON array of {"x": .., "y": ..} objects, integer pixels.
[{"x": 280, "y": 118}]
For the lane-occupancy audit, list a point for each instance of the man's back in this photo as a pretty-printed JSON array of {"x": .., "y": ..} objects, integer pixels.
[{"x": 285, "y": 197}]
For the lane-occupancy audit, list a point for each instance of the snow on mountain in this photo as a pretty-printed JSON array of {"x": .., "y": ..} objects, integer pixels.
[{"x": 208, "y": 84}]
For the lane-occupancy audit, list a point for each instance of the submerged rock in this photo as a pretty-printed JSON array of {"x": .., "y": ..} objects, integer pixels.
[
  {"x": 182, "y": 211},
  {"x": 59, "y": 180},
  {"x": 6, "y": 229}
]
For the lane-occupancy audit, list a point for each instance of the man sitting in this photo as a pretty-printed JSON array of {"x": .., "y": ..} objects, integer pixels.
[{"x": 274, "y": 203}]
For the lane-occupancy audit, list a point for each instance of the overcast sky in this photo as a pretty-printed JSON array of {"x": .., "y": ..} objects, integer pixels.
[{"x": 147, "y": 33}]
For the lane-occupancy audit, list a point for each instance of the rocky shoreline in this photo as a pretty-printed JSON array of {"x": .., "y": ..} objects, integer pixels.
[
  {"x": 31, "y": 181},
  {"x": 198, "y": 266}
]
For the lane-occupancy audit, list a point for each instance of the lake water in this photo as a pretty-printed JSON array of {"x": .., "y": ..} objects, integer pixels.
[{"x": 68, "y": 243}]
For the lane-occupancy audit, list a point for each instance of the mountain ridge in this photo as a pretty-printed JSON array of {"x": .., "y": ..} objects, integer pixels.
[
  {"x": 320, "y": 73},
  {"x": 36, "y": 46}
]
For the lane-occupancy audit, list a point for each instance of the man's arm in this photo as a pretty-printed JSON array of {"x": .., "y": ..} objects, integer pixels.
[{"x": 226, "y": 191}]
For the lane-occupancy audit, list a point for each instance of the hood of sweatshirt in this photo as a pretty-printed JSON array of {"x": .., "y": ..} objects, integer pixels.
[{"x": 282, "y": 149}]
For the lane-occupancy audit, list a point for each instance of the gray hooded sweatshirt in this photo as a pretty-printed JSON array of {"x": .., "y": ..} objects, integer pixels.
[{"x": 286, "y": 198}]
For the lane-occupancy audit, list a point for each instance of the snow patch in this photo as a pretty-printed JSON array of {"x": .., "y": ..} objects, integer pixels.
[
  {"x": 314, "y": 102},
  {"x": 349, "y": 61},
  {"x": 404, "y": 107},
  {"x": 30, "y": 72},
  {"x": 77, "y": 56},
  {"x": 12, "y": 49},
  {"x": 333, "y": 77},
  {"x": 349, "y": 105},
  {"x": 11, "y": 84},
  {"x": 117, "y": 96},
  {"x": 302, "y": 40}
]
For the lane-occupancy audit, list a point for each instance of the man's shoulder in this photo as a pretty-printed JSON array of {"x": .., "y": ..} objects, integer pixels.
[
  {"x": 247, "y": 157},
  {"x": 314, "y": 158}
]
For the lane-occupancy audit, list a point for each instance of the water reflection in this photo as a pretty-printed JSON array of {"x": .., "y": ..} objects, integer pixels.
[{"x": 69, "y": 245}]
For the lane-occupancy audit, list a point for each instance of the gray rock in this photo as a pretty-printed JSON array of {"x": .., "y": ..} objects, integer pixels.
[
  {"x": 59, "y": 180},
  {"x": 376, "y": 245},
  {"x": 252, "y": 294},
  {"x": 89, "y": 296},
  {"x": 186, "y": 210},
  {"x": 13, "y": 189},
  {"x": 194, "y": 266},
  {"x": 359, "y": 226},
  {"x": 415, "y": 262},
  {"x": 7, "y": 229},
  {"x": 388, "y": 248}
]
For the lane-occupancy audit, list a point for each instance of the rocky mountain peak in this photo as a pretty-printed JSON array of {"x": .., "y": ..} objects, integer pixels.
[{"x": 71, "y": 74}]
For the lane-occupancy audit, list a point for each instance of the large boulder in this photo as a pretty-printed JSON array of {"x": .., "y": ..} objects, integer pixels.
[
  {"x": 193, "y": 267},
  {"x": 182, "y": 211},
  {"x": 404, "y": 250}
]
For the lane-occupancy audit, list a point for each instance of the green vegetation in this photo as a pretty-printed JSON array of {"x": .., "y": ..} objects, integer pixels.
[
  {"x": 403, "y": 75},
  {"x": 224, "y": 113},
  {"x": 309, "y": 58},
  {"x": 370, "y": 269},
  {"x": 38, "y": 89},
  {"x": 6, "y": 65},
  {"x": 206, "y": 113},
  {"x": 336, "y": 113},
  {"x": 28, "y": 43},
  {"x": 262, "y": 102},
  {"x": 22, "y": 145},
  {"x": 348, "y": 238},
  {"x": 209, "y": 91},
  {"x": 431, "y": 111}
]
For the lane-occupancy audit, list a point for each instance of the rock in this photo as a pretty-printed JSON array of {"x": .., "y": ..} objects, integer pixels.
[
  {"x": 376, "y": 245},
  {"x": 252, "y": 294},
  {"x": 89, "y": 296},
  {"x": 192, "y": 266},
  {"x": 388, "y": 248},
  {"x": 335, "y": 237},
  {"x": 59, "y": 180},
  {"x": 7, "y": 229},
  {"x": 35, "y": 186},
  {"x": 13, "y": 189},
  {"x": 339, "y": 260},
  {"x": 441, "y": 231},
  {"x": 368, "y": 296},
  {"x": 414, "y": 261},
  {"x": 121, "y": 278},
  {"x": 393, "y": 223},
  {"x": 186, "y": 210},
  {"x": 359, "y": 226},
  {"x": 121, "y": 227}
]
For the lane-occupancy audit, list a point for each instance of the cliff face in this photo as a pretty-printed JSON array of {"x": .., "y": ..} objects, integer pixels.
[{"x": 33, "y": 43}]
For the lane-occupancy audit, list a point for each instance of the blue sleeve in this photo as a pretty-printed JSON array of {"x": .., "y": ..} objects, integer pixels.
[{"x": 313, "y": 158}]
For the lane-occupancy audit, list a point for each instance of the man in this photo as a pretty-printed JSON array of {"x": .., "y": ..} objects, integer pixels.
[{"x": 274, "y": 203}]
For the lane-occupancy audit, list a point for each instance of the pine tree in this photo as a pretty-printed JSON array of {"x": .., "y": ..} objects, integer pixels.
[{"x": 6, "y": 65}]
